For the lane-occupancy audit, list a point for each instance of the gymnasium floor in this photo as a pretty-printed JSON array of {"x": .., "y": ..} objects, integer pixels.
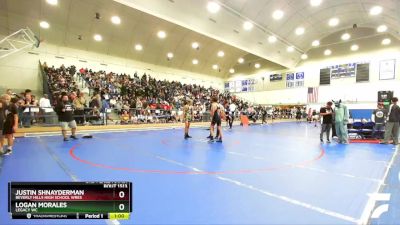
[{"x": 274, "y": 174}]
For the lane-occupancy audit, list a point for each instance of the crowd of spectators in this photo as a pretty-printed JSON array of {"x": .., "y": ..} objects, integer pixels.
[
  {"x": 97, "y": 95},
  {"x": 135, "y": 98}
]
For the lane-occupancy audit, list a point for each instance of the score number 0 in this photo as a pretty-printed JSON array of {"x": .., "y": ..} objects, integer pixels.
[{"x": 121, "y": 206}]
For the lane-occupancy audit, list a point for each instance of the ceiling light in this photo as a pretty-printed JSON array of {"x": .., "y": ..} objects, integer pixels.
[
  {"x": 315, "y": 2},
  {"x": 161, "y": 34},
  {"x": 315, "y": 43},
  {"x": 272, "y": 39},
  {"x": 52, "y": 2},
  {"x": 231, "y": 70},
  {"x": 304, "y": 56},
  {"x": 290, "y": 49},
  {"x": 381, "y": 28},
  {"x": 257, "y": 65},
  {"x": 115, "y": 20},
  {"x": 299, "y": 31},
  {"x": 220, "y": 54},
  {"x": 240, "y": 60},
  {"x": 195, "y": 61},
  {"x": 247, "y": 25},
  {"x": 213, "y": 7},
  {"x": 97, "y": 37},
  {"x": 345, "y": 36},
  {"x": 277, "y": 14},
  {"x": 386, "y": 41},
  {"x": 170, "y": 55},
  {"x": 376, "y": 10},
  {"x": 333, "y": 22},
  {"x": 44, "y": 25},
  {"x": 195, "y": 45},
  {"x": 327, "y": 52},
  {"x": 215, "y": 67},
  {"x": 354, "y": 47},
  {"x": 138, "y": 47}
]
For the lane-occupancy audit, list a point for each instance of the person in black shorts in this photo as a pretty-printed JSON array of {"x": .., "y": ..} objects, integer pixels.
[
  {"x": 216, "y": 119},
  {"x": 209, "y": 136},
  {"x": 315, "y": 117},
  {"x": 10, "y": 122},
  {"x": 263, "y": 115},
  {"x": 298, "y": 114},
  {"x": 65, "y": 110},
  {"x": 229, "y": 117}
]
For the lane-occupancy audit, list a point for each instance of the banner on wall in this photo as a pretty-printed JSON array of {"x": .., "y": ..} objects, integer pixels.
[
  {"x": 275, "y": 77},
  {"x": 387, "y": 69},
  {"x": 299, "y": 79},
  {"x": 295, "y": 80},
  {"x": 290, "y": 83},
  {"x": 240, "y": 85}
]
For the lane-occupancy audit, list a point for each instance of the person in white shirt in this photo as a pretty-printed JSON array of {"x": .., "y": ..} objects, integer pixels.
[
  {"x": 231, "y": 114},
  {"x": 47, "y": 109},
  {"x": 44, "y": 102}
]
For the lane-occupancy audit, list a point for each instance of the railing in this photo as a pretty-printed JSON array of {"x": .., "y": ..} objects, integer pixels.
[
  {"x": 45, "y": 83},
  {"x": 47, "y": 116}
]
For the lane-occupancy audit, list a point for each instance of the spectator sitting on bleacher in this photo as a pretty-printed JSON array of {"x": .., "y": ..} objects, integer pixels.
[
  {"x": 125, "y": 117},
  {"x": 136, "y": 92},
  {"x": 79, "y": 103},
  {"x": 46, "y": 109},
  {"x": 28, "y": 103}
]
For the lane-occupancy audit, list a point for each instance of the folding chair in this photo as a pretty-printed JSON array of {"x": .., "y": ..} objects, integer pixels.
[{"x": 356, "y": 130}]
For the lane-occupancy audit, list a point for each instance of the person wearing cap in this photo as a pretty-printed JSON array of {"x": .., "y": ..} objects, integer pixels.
[
  {"x": 392, "y": 123},
  {"x": 378, "y": 117},
  {"x": 326, "y": 123}
]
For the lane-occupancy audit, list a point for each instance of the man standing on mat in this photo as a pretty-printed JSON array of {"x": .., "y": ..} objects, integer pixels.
[
  {"x": 216, "y": 119},
  {"x": 315, "y": 117},
  {"x": 392, "y": 124},
  {"x": 187, "y": 116},
  {"x": 379, "y": 117},
  {"x": 230, "y": 114},
  {"x": 264, "y": 115},
  {"x": 326, "y": 126},
  {"x": 232, "y": 111},
  {"x": 341, "y": 120},
  {"x": 11, "y": 122},
  {"x": 65, "y": 116}
]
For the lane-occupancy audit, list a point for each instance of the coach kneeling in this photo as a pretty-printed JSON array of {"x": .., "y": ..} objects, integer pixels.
[{"x": 65, "y": 116}]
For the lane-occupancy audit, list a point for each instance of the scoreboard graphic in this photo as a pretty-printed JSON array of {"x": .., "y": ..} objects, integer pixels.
[
  {"x": 70, "y": 200},
  {"x": 343, "y": 70}
]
